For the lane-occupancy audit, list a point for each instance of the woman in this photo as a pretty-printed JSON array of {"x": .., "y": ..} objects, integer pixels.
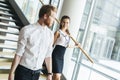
[{"x": 61, "y": 41}]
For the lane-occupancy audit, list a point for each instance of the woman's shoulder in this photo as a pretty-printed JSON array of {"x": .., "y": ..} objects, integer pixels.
[{"x": 57, "y": 33}]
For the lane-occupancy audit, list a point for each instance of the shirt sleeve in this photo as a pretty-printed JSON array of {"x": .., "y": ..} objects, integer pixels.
[
  {"x": 50, "y": 48},
  {"x": 22, "y": 41}
]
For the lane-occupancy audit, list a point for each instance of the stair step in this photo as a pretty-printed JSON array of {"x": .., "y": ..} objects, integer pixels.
[
  {"x": 11, "y": 32},
  {"x": 5, "y": 9},
  {"x": 8, "y": 25},
  {"x": 7, "y": 52},
  {"x": 5, "y": 60},
  {"x": 4, "y": 5},
  {"x": 11, "y": 47},
  {"x": 42, "y": 77},
  {"x": 5, "y": 65},
  {"x": 7, "y": 55},
  {"x": 5, "y": 77},
  {"x": 7, "y": 19},
  {"x": 2, "y": 1},
  {"x": 8, "y": 38},
  {"x": 6, "y": 14}
]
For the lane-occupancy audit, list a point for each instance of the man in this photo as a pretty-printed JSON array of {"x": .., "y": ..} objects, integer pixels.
[{"x": 34, "y": 46}]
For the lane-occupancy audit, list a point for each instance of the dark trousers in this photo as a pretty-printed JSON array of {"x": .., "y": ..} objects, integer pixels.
[{"x": 23, "y": 73}]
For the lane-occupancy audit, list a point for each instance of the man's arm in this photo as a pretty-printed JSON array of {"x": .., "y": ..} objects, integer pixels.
[
  {"x": 15, "y": 63},
  {"x": 48, "y": 62},
  {"x": 48, "y": 59}
]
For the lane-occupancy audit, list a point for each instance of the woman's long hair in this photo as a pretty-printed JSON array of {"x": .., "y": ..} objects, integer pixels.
[{"x": 64, "y": 17}]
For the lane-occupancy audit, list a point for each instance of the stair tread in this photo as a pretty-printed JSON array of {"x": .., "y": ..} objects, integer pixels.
[
  {"x": 6, "y": 46},
  {"x": 7, "y": 19},
  {"x": 5, "y": 77},
  {"x": 4, "y": 9},
  {"x": 5, "y": 65},
  {"x": 7, "y": 31},
  {"x": 8, "y": 38},
  {"x": 7, "y": 55},
  {"x": 3, "y": 4},
  {"x": 2, "y": 1},
  {"x": 6, "y": 14},
  {"x": 7, "y": 52},
  {"x": 8, "y": 25}
]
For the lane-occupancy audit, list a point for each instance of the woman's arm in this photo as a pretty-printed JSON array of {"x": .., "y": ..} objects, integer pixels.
[{"x": 56, "y": 35}]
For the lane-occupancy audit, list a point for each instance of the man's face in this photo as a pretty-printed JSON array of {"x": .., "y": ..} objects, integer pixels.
[{"x": 50, "y": 19}]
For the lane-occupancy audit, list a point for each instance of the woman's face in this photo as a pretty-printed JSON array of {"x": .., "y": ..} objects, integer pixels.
[{"x": 65, "y": 23}]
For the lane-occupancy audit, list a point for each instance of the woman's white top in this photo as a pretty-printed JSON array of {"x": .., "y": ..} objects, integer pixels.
[{"x": 63, "y": 39}]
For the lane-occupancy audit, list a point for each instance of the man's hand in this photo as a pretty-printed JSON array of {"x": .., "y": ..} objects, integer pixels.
[
  {"x": 49, "y": 77},
  {"x": 11, "y": 76}
]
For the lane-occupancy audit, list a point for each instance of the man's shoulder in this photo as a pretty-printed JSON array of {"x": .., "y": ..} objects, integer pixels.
[
  {"x": 50, "y": 32},
  {"x": 28, "y": 27}
]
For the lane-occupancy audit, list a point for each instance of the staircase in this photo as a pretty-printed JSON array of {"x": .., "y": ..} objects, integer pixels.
[{"x": 11, "y": 21}]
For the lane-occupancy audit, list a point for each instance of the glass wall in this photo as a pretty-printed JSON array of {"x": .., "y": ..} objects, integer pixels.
[
  {"x": 104, "y": 29},
  {"x": 102, "y": 41},
  {"x": 31, "y": 7},
  {"x": 82, "y": 27}
]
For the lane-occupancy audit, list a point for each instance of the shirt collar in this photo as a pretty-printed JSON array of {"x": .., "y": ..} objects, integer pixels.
[{"x": 41, "y": 27}]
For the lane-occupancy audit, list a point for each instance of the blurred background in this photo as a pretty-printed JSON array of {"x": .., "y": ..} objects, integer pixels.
[{"x": 95, "y": 24}]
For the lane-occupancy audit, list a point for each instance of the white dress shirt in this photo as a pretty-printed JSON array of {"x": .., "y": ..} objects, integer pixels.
[{"x": 34, "y": 45}]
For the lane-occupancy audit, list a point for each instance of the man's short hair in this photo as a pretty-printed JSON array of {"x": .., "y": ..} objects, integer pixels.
[{"x": 46, "y": 9}]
